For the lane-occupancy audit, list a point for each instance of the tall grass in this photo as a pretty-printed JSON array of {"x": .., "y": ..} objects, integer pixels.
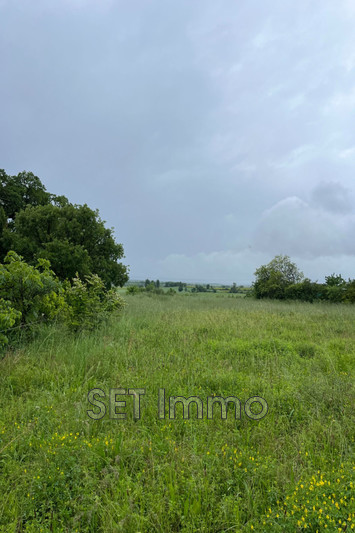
[{"x": 62, "y": 471}]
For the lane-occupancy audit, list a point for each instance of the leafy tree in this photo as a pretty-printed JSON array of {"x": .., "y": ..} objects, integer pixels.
[
  {"x": 3, "y": 220},
  {"x": 233, "y": 288},
  {"x": 335, "y": 287},
  {"x": 72, "y": 237},
  {"x": 335, "y": 293},
  {"x": 200, "y": 288},
  {"x": 349, "y": 293},
  {"x": 68, "y": 259},
  {"x": 273, "y": 279},
  {"x": 334, "y": 280},
  {"x": 16, "y": 192},
  {"x": 37, "y": 224}
]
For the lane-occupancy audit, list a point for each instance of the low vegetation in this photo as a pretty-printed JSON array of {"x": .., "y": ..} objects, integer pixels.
[{"x": 291, "y": 471}]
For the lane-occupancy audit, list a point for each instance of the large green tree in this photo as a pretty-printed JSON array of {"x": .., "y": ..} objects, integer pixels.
[
  {"x": 273, "y": 279},
  {"x": 72, "y": 237}
]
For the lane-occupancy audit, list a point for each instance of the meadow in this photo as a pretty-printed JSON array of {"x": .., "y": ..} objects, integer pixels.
[{"x": 294, "y": 470}]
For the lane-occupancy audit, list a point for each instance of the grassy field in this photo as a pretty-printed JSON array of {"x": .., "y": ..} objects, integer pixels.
[{"x": 61, "y": 471}]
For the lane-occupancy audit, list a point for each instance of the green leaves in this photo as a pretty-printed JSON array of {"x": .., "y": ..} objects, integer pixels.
[
  {"x": 280, "y": 279},
  {"x": 8, "y": 317},
  {"x": 30, "y": 294},
  {"x": 18, "y": 191},
  {"x": 72, "y": 237},
  {"x": 27, "y": 287},
  {"x": 27, "y": 293},
  {"x": 273, "y": 279},
  {"x": 59, "y": 259},
  {"x": 88, "y": 303}
]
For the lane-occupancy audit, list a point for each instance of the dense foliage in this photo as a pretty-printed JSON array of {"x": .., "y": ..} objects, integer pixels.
[
  {"x": 89, "y": 303},
  {"x": 28, "y": 288},
  {"x": 36, "y": 224},
  {"x": 32, "y": 294},
  {"x": 280, "y": 279},
  {"x": 16, "y": 192},
  {"x": 8, "y": 317},
  {"x": 58, "y": 261}
]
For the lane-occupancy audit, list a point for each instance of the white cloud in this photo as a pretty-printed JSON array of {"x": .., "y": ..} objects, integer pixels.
[{"x": 323, "y": 228}]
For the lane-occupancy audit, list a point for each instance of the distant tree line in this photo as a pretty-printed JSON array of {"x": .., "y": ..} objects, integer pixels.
[
  {"x": 282, "y": 280},
  {"x": 203, "y": 288},
  {"x": 156, "y": 287},
  {"x": 179, "y": 284}
]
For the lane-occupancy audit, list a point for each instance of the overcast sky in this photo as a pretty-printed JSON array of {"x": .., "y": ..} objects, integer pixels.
[{"x": 211, "y": 135}]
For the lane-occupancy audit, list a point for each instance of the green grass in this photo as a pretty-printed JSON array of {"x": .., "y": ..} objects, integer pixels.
[{"x": 290, "y": 471}]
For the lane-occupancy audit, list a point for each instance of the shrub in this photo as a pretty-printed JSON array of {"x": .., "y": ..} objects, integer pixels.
[
  {"x": 8, "y": 317},
  {"x": 134, "y": 289},
  {"x": 349, "y": 293},
  {"x": 31, "y": 294},
  {"x": 32, "y": 290},
  {"x": 306, "y": 291},
  {"x": 88, "y": 303}
]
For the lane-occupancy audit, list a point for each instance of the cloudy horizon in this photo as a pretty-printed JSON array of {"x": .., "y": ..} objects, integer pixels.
[{"x": 211, "y": 136}]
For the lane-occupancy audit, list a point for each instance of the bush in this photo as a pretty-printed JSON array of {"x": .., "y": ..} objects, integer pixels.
[
  {"x": 8, "y": 317},
  {"x": 31, "y": 294},
  {"x": 33, "y": 291},
  {"x": 134, "y": 289},
  {"x": 306, "y": 291},
  {"x": 88, "y": 303},
  {"x": 349, "y": 292}
]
